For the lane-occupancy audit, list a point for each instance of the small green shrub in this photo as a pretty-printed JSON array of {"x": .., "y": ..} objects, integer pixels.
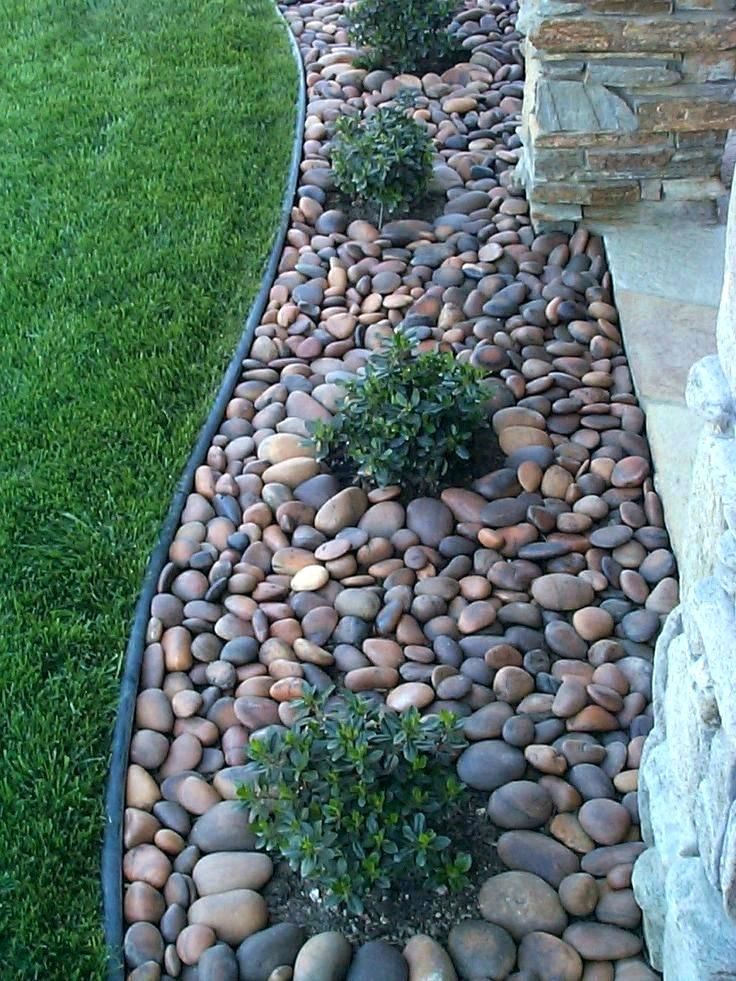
[
  {"x": 410, "y": 420},
  {"x": 403, "y": 35},
  {"x": 383, "y": 161},
  {"x": 352, "y": 796}
]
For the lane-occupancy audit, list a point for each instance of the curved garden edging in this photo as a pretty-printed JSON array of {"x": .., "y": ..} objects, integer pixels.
[
  {"x": 546, "y": 646},
  {"x": 111, "y": 868}
]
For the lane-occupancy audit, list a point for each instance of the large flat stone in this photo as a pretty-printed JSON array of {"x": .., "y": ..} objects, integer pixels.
[
  {"x": 663, "y": 338},
  {"x": 682, "y": 263},
  {"x": 673, "y": 437},
  {"x": 668, "y": 321}
]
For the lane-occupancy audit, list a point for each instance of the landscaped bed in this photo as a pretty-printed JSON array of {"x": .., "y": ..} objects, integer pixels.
[
  {"x": 144, "y": 152},
  {"x": 498, "y": 623}
]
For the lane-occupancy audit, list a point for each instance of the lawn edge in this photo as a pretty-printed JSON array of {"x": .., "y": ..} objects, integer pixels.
[{"x": 112, "y": 846}]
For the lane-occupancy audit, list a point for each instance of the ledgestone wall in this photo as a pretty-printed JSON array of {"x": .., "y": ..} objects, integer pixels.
[
  {"x": 627, "y": 106},
  {"x": 686, "y": 880}
]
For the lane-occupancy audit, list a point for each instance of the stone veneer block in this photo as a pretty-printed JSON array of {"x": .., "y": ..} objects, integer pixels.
[
  {"x": 556, "y": 164},
  {"x": 704, "y": 5},
  {"x": 676, "y": 32},
  {"x": 637, "y": 162},
  {"x": 700, "y": 163},
  {"x": 688, "y": 108},
  {"x": 709, "y": 66},
  {"x": 692, "y": 188},
  {"x": 624, "y": 72},
  {"x": 630, "y": 7},
  {"x": 566, "y": 140},
  {"x": 644, "y": 90},
  {"x": 644, "y": 212},
  {"x": 651, "y": 190},
  {"x": 701, "y": 139},
  {"x": 621, "y": 192},
  {"x": 581, "y": 107},
  {"x": 560, "y": 216}
]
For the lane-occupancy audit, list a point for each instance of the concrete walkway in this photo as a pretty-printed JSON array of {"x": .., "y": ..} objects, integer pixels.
[{"x": 667, "y": 285}]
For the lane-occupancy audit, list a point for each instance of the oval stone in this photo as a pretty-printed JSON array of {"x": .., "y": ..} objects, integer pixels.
[
  {"x": 233, "y": 915},
  {"x": 546, "y": 956},
  {"x": 562, "y": 591},
  {"x": 522, "y": 903},
  {"x": 481, "y": 950},
  {"x": 324, "y": 957},
  {"x": 224, "y": 828},
  {"x": 143, "y": 942},
  {"x": 521, "y": 804},
  {"x": 430, "y": 519},
  {"x": 606, "y": 821},
  {"x": 310, "y": 579},
  {"x": 489, "y": 764},
  {"x": 262, "y": 952},
  {"x": 600, "y": 942},
  {"x": 579, "y": 893},
  {"x": 412, "y": 694},
  {"x": 377, "y": 959},
  {"x": 224, "y": 871},
  {"x": 530, "y": 851},
  {"x": 427, "y": 960},
  {"x": 343, "y": 510},
  {"x": 218, "y": 963}
]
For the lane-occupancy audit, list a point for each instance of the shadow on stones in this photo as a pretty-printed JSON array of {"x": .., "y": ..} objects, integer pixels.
[{"x": 429, "y": 208}]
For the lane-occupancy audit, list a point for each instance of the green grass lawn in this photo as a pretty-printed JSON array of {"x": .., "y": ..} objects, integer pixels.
[{"x": 144, "y": 146}]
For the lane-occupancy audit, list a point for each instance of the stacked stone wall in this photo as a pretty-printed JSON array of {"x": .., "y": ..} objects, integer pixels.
[
  {"x": 627, "y": 105},
  {"x": 686, "y": 880}
]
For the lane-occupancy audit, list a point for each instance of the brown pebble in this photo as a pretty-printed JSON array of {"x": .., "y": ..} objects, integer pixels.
[
  {"x": 579, "y": 893},
  {"x": 606, "y": 821},
  {"x": 193, "y": 941},
  {"x": 599, "y": 942},
  {"x": 546, "y": 956},
  {"x": 147, "y": 863},
  {"x": 233, "y": 915},
  {"x": 143, "y": 902}
]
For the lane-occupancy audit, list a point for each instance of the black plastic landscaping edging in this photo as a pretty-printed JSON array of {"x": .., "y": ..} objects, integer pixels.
[{"x": 112, "y": 848}]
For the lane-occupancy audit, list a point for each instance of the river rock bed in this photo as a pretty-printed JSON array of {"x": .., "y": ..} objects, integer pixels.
[{"x": 527, "y": 602}]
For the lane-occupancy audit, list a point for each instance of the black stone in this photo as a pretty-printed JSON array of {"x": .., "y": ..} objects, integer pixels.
[{"x": 378, "y": 960}]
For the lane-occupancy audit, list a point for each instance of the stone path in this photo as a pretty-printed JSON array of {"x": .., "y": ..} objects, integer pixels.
[
  {"x": 667, "y": 282},
  {"x": 529, "y": 603}
]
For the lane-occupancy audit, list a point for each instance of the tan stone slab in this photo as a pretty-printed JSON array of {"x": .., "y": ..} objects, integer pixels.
[
  {"x": 663, "y": 338},
  {"x": 673, "y": 432},
  {"x": 645, "y": 215},
  {"x": 680, "y": 260}
]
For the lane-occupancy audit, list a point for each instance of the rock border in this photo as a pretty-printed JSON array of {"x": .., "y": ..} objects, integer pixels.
[
  {"x": 563, "y": 674},
  {"x": 112, "y": 846}
]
